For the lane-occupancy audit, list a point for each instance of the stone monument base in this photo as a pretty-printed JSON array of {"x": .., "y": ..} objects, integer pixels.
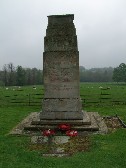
[
  {"x": 88, "y": 123},
  {"x": 92, "y": 122},
  {"x": 71, "y": 119},
  {"x": 71, "y": 115}
]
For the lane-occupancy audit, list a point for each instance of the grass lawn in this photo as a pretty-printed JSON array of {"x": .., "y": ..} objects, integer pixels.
[{"x": 106, "y": 151}]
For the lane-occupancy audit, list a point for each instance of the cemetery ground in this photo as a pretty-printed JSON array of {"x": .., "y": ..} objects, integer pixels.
[{"x": 107, "y": 150}]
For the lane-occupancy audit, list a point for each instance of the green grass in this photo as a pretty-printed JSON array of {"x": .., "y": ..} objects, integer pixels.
[
  {"x": 92, "y": 94},
  {"x": 103, "y": 93},
  {"x": 106, "y": 151},
  {"x": 15, "y": 96},
  {"x": 10, "y": 116}
]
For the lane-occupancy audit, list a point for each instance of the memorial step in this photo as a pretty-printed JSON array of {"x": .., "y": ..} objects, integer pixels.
[
  {"x": 79, "y": 128},
  {"x": 82, "y": 126},
  {"x": 86, "y": 121}
]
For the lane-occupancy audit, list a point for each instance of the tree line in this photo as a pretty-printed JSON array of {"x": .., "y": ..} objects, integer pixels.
[
  {"x": 19, "y": 76},
  {"x": 119, "y": 73},
  {"x": 96, "y": 74}
]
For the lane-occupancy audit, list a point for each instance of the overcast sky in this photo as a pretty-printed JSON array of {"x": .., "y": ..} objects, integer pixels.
[{"x": 100, "y": 27}]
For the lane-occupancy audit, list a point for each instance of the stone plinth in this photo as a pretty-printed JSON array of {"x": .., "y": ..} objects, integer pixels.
[{"x": 61, "y": 70}]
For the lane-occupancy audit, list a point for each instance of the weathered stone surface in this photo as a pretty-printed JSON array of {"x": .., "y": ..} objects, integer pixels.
[
  {"x": 39, "y": 139},
  {"x": 61, "y": 70},
  {"x": 61, "y": 115},
  {"x": 62, "y": 90},
  {"x": 61, "y": 105},
  {"x": 60, "y": 139},
  {"x": 61, "y": 67},
  {"x": 86, "y": 121}
]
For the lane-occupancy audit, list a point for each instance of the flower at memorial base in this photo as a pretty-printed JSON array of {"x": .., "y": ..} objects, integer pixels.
[
  {"x": 64, "y": 127},
  {"x": 71, "y": 133},
  {"x": 48, "y": 132}
]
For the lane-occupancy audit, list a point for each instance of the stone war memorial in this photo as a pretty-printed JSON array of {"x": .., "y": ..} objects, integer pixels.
[
  {"x": 61, "y": 103},
  {"x": 61, "y": 70}
]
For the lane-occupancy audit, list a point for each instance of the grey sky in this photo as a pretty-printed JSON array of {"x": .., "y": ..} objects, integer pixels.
[{"x": 100, "y": 26}]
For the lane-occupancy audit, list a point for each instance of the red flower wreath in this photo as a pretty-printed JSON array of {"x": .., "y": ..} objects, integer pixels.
[
  {"x": 64, "y": 127},
  {"x": 71, "y": 133},
  {"x": 48, "y": 132}
]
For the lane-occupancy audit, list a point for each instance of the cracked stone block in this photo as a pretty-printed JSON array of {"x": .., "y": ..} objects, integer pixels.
[{"x": 39, "y": 139}]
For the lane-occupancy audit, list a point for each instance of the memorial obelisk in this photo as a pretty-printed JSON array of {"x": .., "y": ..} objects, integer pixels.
[{"x": 61, "y": 70}]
